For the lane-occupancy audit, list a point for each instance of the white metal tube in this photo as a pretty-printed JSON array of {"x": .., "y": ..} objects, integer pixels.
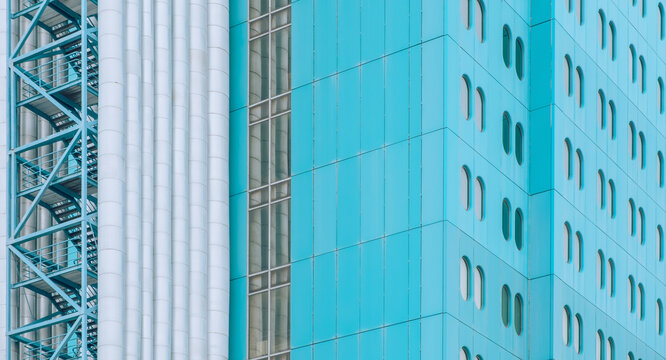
[
  {"x": 198, "y": 53},
  {"x": 180, "y": 175},
  {"x": 218, "y": 179},
  {"x": 163, "y": 163},
  {"x": 147, "y": 181},
  {"x": 133, "y": 165},
  {"x": 111, "y": 128}
]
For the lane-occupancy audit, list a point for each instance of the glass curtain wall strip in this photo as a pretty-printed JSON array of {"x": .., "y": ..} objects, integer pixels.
[{"x": 269, "y": 183}]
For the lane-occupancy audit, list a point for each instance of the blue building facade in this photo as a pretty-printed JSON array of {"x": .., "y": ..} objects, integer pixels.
[{"x": 464, "y": 179}]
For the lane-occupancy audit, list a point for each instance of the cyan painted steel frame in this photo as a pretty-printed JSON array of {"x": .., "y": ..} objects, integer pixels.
[{"x": 81, "y": 132}]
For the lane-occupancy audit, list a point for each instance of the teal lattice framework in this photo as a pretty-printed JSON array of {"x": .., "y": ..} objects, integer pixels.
[{"x": 52, "y": 89}]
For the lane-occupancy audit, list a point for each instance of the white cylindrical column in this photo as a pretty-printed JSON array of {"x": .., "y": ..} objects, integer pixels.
[
  {"x": 112, "y": 180},
  {"x": 218, "y": 179}
]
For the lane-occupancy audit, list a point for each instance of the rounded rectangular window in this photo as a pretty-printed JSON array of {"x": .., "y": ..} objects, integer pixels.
[
  {"x": 519, "y": 58},
  {"x": 506, "y": 46},
  {"x": 518, "y": 314},
  {"x": 465, "y": 187},
  {"x": 479, "y": 198},
  {"x": 464, "y": 278},
  {"x": 519, "y": 144},
  {"x": 479, "y": 20},
  {"x": 506, "y": 305},
  {"x": 478, "y": 288},
  {"x": 465, "y": 97},
  {"x": 506, "y": 132}
]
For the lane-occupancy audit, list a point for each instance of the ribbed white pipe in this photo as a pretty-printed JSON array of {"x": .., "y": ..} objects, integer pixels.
[
  {"x": 198, "y": 53},
  {"x": 133, "y": 165},
  {"x": 180, "y": 176},
  {"x": 112, "y": 180},
  {"x": 218, "y": 179},
  {"x": 163, "y": 163},
  {"x": 147, "y": 193},
  {"x": 176, "y": 129}
]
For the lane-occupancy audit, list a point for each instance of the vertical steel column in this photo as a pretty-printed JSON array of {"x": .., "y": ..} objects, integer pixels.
[{"x": 55, "y": 262}]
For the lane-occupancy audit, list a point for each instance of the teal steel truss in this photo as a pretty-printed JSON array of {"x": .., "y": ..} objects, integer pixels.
[{"x": 52, "y": 179}]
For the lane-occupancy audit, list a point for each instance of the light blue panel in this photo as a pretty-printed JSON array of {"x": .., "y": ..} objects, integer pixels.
[
  {"x": 397, "y": 29},
  {"x": 238, "y": 151},
  {"x": 324, "y": 209},
  {"x": 431, "y": 337},
  {"x": 237, "y": 319},
  {"x": 415, "y": 339},
  {"x": 238, "y": 235},
  {"x": 325, "y": 37},
  {"x": 302, "y": 129},
  {"x": 396, "y": 342},
  {"x": 301, "y": 213},
  {"x": 396, "y": 278},
  {"x": 303, "y": 353},
  {"x": 349, "y": 290},
  {"x": 371, "y": 344},
  {"x": 415, "y": 90},
  {"x": 349, "y": 34},
  {"x": 397, "y": 96},
  {"x": 324, "y": 120},
  {"x": 348, "y": 348},
  {"x": 372, "y": 105},
  {"x": 414, "y": 182},
  {"x": 372, "y": 29},
  {"x": 238, "y": 67},
  {"x": 324, "y": 297},
  {"x": 349, "y": 113},
  {"x": 348, "y": 229},
  {"x": 414, "y": 274},
  {"x": 433, "y": 177},
  {"x": 237, "y": 12},
  {"x": 372, "y": 195},
  {"x": 432, "y": 83},
  {"x": 397, "y": 187},
  {"x": 432, "y": 17},
  {"x": 372, "y": 284},
  {"x": 414, "y": 22},
  {"x": 302, "y": 49},
  {"x": 432, "y": 279},
  {"x": 325, "y": 350},
  {"x": 301, "y": 303}
]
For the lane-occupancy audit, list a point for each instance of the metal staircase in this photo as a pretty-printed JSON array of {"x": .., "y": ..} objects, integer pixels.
[{"x": 52, "y": 263}]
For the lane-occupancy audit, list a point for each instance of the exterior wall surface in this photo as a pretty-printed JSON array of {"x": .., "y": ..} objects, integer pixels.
[{"x": 380, "y": 137}]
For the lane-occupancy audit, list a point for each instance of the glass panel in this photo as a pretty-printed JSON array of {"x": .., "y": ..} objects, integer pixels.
[
  {"x": 464, "y": 97},
  {"x": 281, "y": 276},
  {"x": 567, "y": 76},
  {"x": 258, "y": 8},
  {"x": 259, "y": 69},
  {"x": 280, "y": 191},
  {"x": 506, "y": 133},
  {"x": 479, "y": 109},
  {"x": 506, "y": 299},
  {"x": 506, "y": 212},
  {"x": 258, "y": 324},
  {"x": 464, "y": 279},
  {"x": 280, "y": 233},
  {"x": 478, "y": 288},
  {"x": 464, "y": 188},
  {"x": 281, "y": 104},
  {"x": 479, "y": 202},
  {"x": 280, "y": 319},
  {"x": 566, "y": 321},
  {"x": 281, "y": 18},
  {"x": 519, "y": 144},
  {"x": 259, "y": 27},
  {"x": 276, "y": 4},
  {"x": 518, "y": 229},
  {"x": 519, "y": 58},
  {"x": 577, "y": 328},
  {"x": 465, "y": 12},
  {"x": 258, "y": 228},
  {"x": 478, "y": 18},
  {"x": 280, "y": 147},
  {"x": 280, "y": 64},
  {"x": 506, "y": 46},
  {"x": 259, "y": 112},
  {"x": 566, "y": 241},
  {"x": 258, "y": 282},
  {"x": 259, "y": 197},
  {"x": 258, "y": 153},
  {"x": 518, "y": 314}
]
